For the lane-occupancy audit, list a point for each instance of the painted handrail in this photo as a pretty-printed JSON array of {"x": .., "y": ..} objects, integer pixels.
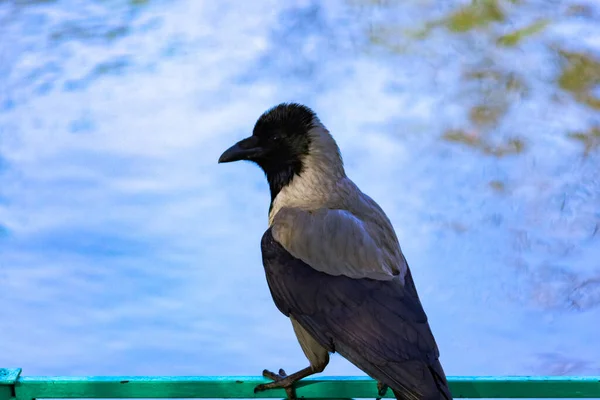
[{"x": 15, "y": 386}]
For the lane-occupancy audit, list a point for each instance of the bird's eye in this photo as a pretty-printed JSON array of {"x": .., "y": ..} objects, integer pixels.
[{"x": 276, "y": 138}]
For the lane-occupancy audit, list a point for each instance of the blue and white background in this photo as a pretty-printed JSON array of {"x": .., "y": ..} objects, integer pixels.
[{"x": 126, "y": 249}]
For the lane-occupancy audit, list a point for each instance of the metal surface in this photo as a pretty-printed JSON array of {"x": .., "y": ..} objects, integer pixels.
[{"x": 25, "y": 388}]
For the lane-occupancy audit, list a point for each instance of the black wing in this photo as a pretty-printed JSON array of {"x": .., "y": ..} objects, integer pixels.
[{"x": 379, "y": 326}]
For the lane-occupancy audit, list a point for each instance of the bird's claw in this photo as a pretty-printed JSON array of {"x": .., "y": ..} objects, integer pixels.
[
  {"x": 382, "y": 389},
  {"x": 279, "y": 381},
  {"x": 273, "y": 376}
]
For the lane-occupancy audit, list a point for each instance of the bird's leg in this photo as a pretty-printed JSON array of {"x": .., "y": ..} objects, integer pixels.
[
  {"x": 284, "y": 381},
  {"x": 382, "y": 389}
]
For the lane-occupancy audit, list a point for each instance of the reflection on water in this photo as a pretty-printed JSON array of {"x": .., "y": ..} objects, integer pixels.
[{"x": 125, "y": 249}]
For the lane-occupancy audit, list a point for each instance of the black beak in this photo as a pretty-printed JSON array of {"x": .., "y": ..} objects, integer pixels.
[{"x": 247, "y": 149}]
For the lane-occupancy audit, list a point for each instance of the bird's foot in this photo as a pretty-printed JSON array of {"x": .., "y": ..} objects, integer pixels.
[
  {"x": 280, "y": 380},
  {"x": 382, "y": 389}
]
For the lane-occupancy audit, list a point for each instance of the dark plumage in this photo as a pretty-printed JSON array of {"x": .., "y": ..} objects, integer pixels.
[
  {"x": 379, "y": 326},
  {"x": 284, "y": 129}
]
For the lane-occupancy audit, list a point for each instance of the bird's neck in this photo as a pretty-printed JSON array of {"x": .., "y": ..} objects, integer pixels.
[
  {"x": 280, "y": 178},
  {"x": 311, "y": 188}
]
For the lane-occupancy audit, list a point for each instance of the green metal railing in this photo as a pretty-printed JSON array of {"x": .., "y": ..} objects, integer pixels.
[{"x": 12, "y": 385}]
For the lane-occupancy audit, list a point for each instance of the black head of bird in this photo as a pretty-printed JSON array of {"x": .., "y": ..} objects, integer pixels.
[
  {"x": 280, "y": 143},
  {"x": 280, "y": 139}
]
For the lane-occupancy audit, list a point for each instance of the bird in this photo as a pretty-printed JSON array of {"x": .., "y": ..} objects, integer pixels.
[{"x": 333, "y": 262}]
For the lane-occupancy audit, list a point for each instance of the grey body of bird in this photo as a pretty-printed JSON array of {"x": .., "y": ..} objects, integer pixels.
[{"x": 333, "y": 262}]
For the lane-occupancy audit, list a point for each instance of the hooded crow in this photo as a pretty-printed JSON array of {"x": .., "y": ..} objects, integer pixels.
[{"x": 333, "y": 262}]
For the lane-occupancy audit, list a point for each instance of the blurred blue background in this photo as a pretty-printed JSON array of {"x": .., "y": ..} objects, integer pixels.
[{"x": 126, "y": 249}]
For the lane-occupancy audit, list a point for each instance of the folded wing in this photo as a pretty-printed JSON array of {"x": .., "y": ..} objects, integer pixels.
[
  {"x": 379, "y": 325},
  {"x": 337, "y": 242}
]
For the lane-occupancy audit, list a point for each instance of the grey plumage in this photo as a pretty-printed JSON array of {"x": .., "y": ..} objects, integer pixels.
[{"x": 333, "y": 262}]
